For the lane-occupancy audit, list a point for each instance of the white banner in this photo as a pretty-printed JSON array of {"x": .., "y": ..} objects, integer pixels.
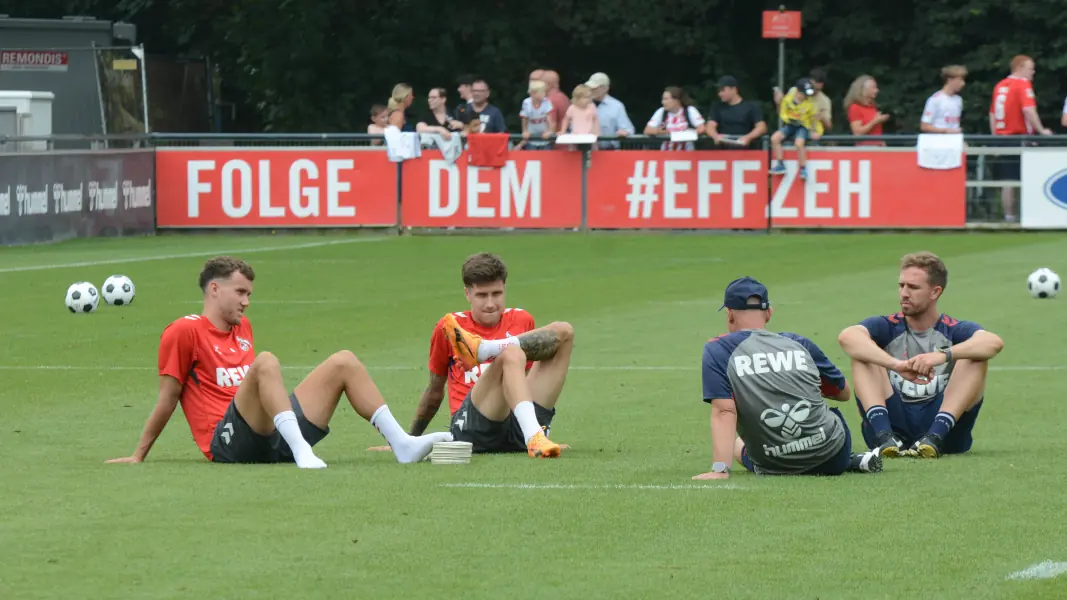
[{"x": 1044, "y": 188}]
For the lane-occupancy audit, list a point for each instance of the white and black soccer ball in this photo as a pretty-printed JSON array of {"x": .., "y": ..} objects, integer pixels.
[
  {"x": 82, "y": 297},
  {"x": 118, "y": 290},
  {"x": 1043, "y": 283}
]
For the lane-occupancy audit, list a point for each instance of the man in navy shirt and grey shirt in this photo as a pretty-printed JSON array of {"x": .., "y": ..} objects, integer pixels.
[{"x": 766, "y": 393}]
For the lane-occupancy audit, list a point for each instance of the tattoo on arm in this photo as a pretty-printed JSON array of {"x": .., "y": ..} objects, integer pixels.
[
  {"x": 540, "y": 344},
  {"x": 429, "y": 403}
]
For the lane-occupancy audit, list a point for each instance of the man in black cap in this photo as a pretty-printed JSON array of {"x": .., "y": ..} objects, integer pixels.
[
  {"x": 766, "y": 393},
  {"x": 799, "y": 115},
  {"x": 734, "y": 120}
]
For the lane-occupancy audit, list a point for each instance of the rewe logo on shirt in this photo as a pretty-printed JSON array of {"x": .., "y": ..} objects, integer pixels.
[
  {"x": 231, "y": 377},
  {"x": 765, "y": 362},
  {"x": 471, "y": 377}
]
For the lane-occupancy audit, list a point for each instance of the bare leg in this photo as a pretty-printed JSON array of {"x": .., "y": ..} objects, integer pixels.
[
  {"x": 1007, "y": 200},
  {"x": 554, "y": 344},
  {"x": 802, "y": 153},
  {"x": 502, "y": 385},
  {"x": 320, "y": 392},
  {"x": 965, "y": 388},
  {"x": 872, "y": 384},
  {"x": 264, "y": 404}
]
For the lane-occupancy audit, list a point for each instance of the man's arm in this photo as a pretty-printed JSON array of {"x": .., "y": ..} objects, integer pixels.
[
  {"x": 723, "y": 430},
  {"x": 1031, "y": 116},
  {"x": 170, "y": 391},
  {"x": 983, "y": 345},
  {"x": 858, "y": 344},
  {"x": 430, "y": 401}
]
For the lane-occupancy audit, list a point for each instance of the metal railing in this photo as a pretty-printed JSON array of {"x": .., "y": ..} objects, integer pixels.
[{"x": 992, "y": 161}]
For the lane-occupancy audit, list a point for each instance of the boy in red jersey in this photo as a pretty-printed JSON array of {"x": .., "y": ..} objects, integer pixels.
[
  {"x": 504, "y": 377},
  {"x": 235, "y": 400}
]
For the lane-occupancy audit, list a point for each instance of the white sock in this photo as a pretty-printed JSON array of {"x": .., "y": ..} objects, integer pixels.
[
  {"x": 527, "y": 418},
  {"x": 383, "y": 421},
  {"x": 406, "y": 448},
  {"x": 492, "y": 348},
  {"x": 289, "y": 427}
]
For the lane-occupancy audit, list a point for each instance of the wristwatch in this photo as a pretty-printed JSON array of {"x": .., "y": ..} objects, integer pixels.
[
  {"x": 947, "y": 351},
  {"x": 720, "y": 467}
]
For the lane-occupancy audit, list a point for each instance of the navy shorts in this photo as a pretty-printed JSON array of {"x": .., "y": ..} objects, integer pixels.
[
  {"x": 838, "y": 463},
  {"x": 795, "y": 132},
  {"x": 235, "y": 441},
  {"x": 911, "y": 421},
  {"x": 488, "y": 436}
]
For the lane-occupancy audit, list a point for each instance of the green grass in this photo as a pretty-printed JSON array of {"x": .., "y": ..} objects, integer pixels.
[{"x": 178, "y": 527}]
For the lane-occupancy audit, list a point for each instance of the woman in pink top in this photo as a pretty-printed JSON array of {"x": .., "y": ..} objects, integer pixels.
[
  {"x": 864, "y": 118},
  {"x": 581, "y": 116}
]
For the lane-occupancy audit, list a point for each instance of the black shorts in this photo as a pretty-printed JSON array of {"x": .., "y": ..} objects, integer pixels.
[
  {"x": 235, "y": 442},
  {"x": 469, "y": 425}
]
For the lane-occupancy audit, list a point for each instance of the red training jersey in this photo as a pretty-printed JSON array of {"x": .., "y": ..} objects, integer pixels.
[
  {"x": 865, "y": 114},
  {"x": 514, "y": 321},
  {"x": 1010, "y": 97},
  {"x": 210, "y": 365}
]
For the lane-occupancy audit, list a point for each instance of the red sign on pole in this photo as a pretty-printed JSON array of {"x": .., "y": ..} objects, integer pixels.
[{"x": 781, "y": 24}]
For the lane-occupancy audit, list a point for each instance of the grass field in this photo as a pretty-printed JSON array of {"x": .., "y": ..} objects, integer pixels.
[{"x": 616, "y": 517}]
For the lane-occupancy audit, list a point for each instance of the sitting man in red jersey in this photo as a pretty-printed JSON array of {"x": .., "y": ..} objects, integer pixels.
[
  {"x": 235, "y": 400},
  {"x": 504, "y": 377}
]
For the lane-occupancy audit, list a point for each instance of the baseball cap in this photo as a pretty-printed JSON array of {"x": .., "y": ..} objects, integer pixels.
[
  {"x": 727, "y": 81},
  {"x": 740, "y": 290},
  {"x": 598, "y": 80},
  {"x": 804, "y": 84}
]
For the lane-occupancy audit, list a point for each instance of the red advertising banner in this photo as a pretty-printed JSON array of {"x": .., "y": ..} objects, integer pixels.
[
  {"x": 728, "y": 190},
  {"x": 649, "y": 189},
  {"x": 868, "y": 189},
  {"x": 285, "y": 187},
  {"x": 534, "y": 190},
  {"x": 33, "y": 60}
]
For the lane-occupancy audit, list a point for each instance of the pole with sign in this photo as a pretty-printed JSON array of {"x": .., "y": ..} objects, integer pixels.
[{"x": 781, "y": 24}]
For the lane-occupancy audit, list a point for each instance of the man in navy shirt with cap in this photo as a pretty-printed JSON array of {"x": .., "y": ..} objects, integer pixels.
[{"x": 766, "y": 393}]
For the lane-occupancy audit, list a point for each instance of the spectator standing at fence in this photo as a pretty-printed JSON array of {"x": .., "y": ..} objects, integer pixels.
[
  {"x": 399, "y": 103},
  {"x": 864, "y": 118},
  {"x": 677, "y": 114},
  {"x": 734, "y": 119},
  {"x": 437, "y": 119},
  {"x": 559, "y": 100},
  {"x": 490, "y": 119},
  {"x": 379, "y": 120},
  {"x": 536, "y": 115},
  {"x": 799, "y": 115},
  {"x": 466, "y": 82},
  {"x": 581, "y": 117},
  {"x": 611, "y": 113},
  {"x": 1014, "y": 112},
  {"x": 944, "y": 109}
]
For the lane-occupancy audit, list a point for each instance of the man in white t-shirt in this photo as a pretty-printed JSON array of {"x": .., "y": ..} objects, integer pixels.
[{"x": 944, "y": 109}]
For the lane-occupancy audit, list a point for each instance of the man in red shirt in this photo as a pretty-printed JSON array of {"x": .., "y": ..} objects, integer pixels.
[
  {"x": 1013, "y": 111},
  {"x": 235, "y": 400},
  {"x": 504, "y": 377}
]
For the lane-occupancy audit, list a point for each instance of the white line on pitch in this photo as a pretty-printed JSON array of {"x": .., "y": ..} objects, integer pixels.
[
  {"x": 134, "y": 259},
  {"x": 578, "y": 486},
  {"x": 1041, "y": 570},
  {"x": 415, "y": 367}
]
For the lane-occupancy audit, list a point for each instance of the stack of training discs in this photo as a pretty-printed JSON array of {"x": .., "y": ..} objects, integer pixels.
[{"x": 451, "y": 453}]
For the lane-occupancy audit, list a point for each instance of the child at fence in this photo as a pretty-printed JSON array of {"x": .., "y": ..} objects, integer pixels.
[
  {"x": 379, "y": 119},
  {"x": 581, "y": 116},
  {"x": 537, "y": 118},
  {"x": 798, "y": 113}
]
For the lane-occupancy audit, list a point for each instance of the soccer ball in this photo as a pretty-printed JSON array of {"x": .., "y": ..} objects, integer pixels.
[
  {"x": 118, "y": 290},
  {"x": 1043, "y": 283},
  {"x": 82, "y": 297}
]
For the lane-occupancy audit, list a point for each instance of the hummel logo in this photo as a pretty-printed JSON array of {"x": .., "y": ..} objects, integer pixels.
[
  {"x": 789, "y": 419},
  {"x": 227, "y": 434}
]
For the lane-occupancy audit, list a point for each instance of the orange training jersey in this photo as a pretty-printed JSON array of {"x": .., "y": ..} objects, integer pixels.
[
  {"x": 514, "y": 321},
  {"x": 1010, "y": 97},
  {"x": 209, "y": 364}
]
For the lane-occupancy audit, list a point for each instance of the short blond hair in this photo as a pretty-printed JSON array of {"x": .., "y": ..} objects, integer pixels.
[
  {"x": 953, "y": 71},
  {"x": 537, "y": 86},
  {"x": 582, "y": 91},
  {"x": 936, "y": 271}
]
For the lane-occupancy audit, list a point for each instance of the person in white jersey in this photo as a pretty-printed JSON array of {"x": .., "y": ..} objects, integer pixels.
[{"x": 944, "y": 108}]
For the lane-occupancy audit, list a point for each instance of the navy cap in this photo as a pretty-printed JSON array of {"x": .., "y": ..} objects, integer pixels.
[
  {"x": 727, "y": 81},
  {"x": 804, "y": 85},
  {"x": 740, "y": 290}
]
